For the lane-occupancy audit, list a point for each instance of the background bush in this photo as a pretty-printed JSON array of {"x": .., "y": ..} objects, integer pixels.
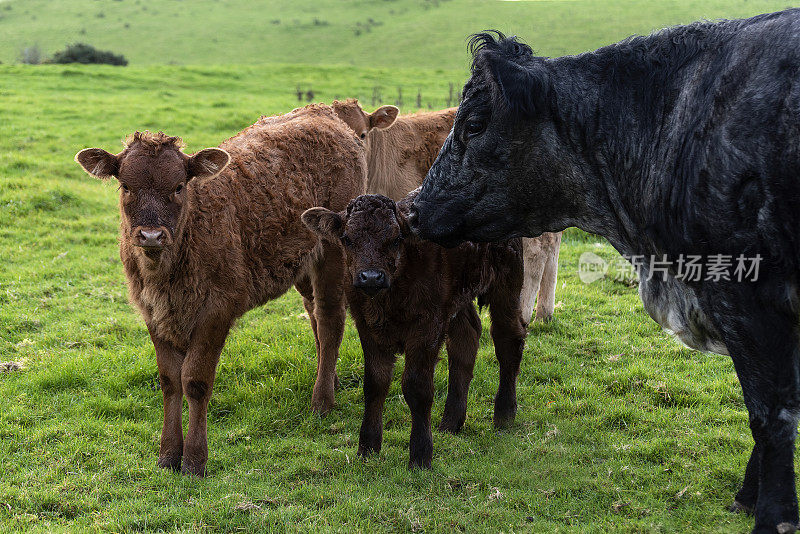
[{"x": 84, "y": 53}]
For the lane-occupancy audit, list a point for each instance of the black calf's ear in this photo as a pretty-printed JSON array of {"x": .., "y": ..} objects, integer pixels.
[
  {"x": 526, "y": 89},
  {"x": 98, "y": 162},
  {"x": 208, "y": 162},
  {"x": 323, "y": 222}
]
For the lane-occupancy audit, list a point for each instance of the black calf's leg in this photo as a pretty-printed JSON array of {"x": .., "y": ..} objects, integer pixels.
[
  {"x": 462, "y": 347},
  {"x": 764, "y": 347},
  {"x": 508, "y": 333},
  {"x": 418, "y": 392},
  {"x": 378, "y": 367}
]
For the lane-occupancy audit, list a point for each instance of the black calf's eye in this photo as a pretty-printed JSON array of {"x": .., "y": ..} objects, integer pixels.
[
  {"x": 397, "y": 241},
  {"x": 474, "y": 127},
  {"x": 346, "y": 241}
]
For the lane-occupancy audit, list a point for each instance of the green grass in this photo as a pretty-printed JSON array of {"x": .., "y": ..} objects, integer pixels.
[
  {"x": 619, "y": 428},
  {"x": 387, "y": 33}
]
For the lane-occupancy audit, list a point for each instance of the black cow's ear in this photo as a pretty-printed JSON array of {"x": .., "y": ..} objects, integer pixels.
[
  {"x": 525, "y": 88},
  {"x": 207, "y": 163},
  {"x": 98, "y": 162},
  {"x": 323, "y": 222}
]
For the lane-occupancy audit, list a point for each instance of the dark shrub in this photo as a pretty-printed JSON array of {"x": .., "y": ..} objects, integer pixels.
[{"x": 84, "y": 53}]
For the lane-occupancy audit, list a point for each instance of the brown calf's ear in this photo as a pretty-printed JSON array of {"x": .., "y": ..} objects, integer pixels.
[
  {"x": 383, "y": 117},
  {"x": 208, "y": 162},
  {"x": 98, "y": 162},
  {"x": 323, "y": 222}
]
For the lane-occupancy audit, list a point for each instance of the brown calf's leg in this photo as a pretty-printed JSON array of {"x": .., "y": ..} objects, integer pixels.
[
  {"x": 304, "y": 287},
  {"x": 329, "y": 312},
  {"x": 378, "y": 367},
  {"x": 169, "y": 361},
  {"x": 546, "y": 302},
  {"x": 508, "y": 333},
  {"x": 418, "y": 392},
  {"x": 197, "y": 377},
  {"x": 462, "y": 347}
]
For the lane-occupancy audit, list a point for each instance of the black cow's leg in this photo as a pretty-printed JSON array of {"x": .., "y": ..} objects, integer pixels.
[
  {"x": 418, "y": 392},
  {"x": 764, "y": 347},
  {"x": 462, "y": 347},
  {"x": 378, "y": 367},
  {"x": 747, "y": 496}
]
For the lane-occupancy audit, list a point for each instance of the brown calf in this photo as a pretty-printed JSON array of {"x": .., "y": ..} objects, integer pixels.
[
  {"x": 411, "y": 296},
  {"x": 398, "y": 158},
  {"x": 203, "y": 241}
]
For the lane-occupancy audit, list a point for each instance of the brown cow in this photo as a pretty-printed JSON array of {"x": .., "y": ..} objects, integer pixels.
[
  {"x": 203, "y": 241},
  {"x": 409, "y": 296},
  {"x": 398, "y": 158}
]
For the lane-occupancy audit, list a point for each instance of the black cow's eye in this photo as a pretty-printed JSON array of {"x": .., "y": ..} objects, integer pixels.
[
  {"x": 397, "y": 241},
  {"x": 474, "y": 127},
  {"x": 179, "y": 189},
  {"x": 346, "y": 241}
]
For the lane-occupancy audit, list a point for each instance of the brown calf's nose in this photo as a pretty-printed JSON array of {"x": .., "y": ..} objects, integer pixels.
[
  {"x": 151, "y": 238},
  {"x": 371, "y": 281}
]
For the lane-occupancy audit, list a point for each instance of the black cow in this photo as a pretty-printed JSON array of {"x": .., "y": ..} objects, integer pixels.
[{"x": 684, "y": 142}]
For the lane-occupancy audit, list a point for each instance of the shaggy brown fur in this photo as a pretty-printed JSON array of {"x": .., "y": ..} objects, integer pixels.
[
  {"x": 411, "y": 296},
  {"x": 399, "y": 155},
  {"x": 198, "y": 253}
]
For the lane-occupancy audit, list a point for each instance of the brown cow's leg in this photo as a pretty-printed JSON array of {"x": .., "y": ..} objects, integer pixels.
[
  {"x": 378, "y": 367},
  {"x": 508, "y": 333},
  {"x": 546, "y": 302},
  {"x": 169, "y": 361},
  {"x": 462, "y": 347},
  {"x": 197, "y": 377},
  {"x": 329, "y": 311},
  {"x": 534, "y": 262},
  {"x": 418, "y": 392}
]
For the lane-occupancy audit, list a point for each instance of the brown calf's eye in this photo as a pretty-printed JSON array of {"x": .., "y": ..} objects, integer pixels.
[
  {"x": 125, "y": 188},
  {"x": 178, "y": 189},
  {"x": 346, "y": 241},
  {"x": 363, "y": 135}
]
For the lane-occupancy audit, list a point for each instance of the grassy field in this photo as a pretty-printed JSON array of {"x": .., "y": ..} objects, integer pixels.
[
  {"x": 386, "y": 33},
  {"x": 619, "y": 429}
]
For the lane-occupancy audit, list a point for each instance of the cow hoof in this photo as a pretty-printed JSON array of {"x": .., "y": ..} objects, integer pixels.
[
  {"x": 544, "y": 318},
  {"x": 417, "y": 463},
  {"x": 450, "y": 426},
  {"x": 194, "y": 470},
  {"x": 322, "y": 406},
  {"x": 786, "y": 528},
  {"x": 738, "y": 508},
  {"x": 170, "y": 462}
]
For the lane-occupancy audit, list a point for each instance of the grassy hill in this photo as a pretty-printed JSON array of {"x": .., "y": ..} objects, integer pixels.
[{"x": 385, "y": 33}]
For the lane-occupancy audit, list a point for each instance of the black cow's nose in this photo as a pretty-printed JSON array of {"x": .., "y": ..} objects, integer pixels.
[
  {"x": 151, "y": 238},
  {"x": 413, "y": 216},
  {"x": 371, "y": 281}
]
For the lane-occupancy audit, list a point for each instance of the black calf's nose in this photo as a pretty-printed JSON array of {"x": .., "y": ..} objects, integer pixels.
[{"x": 371, "y": 277}]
